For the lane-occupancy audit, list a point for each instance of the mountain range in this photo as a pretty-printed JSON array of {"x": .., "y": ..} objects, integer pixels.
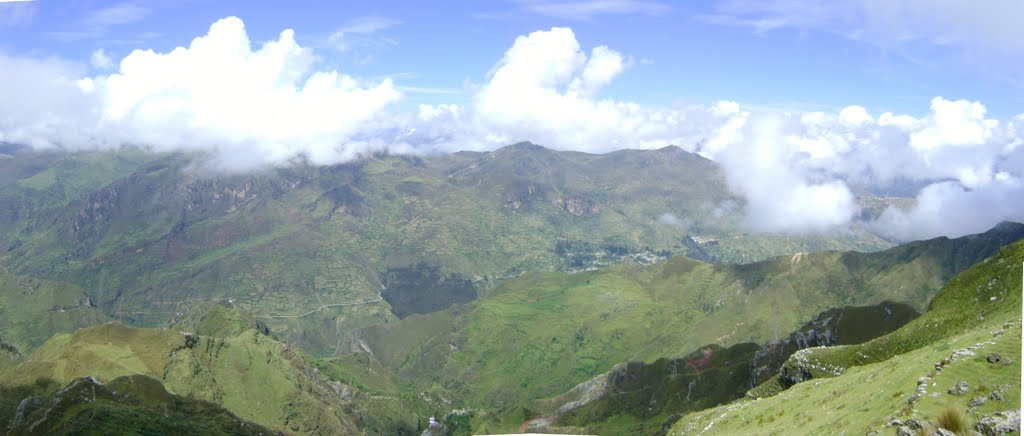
[{"x": 523, "y": 289}]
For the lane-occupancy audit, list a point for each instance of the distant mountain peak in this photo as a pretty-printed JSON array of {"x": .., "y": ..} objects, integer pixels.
[{"x": 524, "y": 146}]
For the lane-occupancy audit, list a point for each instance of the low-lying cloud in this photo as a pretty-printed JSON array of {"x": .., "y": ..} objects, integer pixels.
[
  {"x": 779, "y": 197},
  {"x": 248, "y": 107}
]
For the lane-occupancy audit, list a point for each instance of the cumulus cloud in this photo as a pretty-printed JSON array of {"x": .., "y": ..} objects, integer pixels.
[
  {"x": 546, "y": 89},
  {"x": 956, "y": 123},
  {"x": 797, "y": 173},
  {"x": 247, "y": 107}
]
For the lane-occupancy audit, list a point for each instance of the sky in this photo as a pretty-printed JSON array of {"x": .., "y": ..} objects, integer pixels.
[{"x": 805, "y": 104}]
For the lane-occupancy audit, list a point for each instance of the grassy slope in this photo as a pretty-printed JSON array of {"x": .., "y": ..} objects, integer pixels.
[
  {"x": 32, "y": 310},
  {"x": 539, "y": 335},
  {"x": 639, "y": 398},
  {"x": 250, "y": 374},
  {"x": 880, "y": 376},
  {"x": 232, "y": 362},
  {"x": 128, "y": 405},
  {"x": 147, "y": 235}
]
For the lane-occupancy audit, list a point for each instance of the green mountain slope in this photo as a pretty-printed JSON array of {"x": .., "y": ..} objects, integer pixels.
[
  {"x": 638, "y": 397},
  {"x": 306, "y": 248},
  {"x": 32, "y": 310},
  {"x": 128, "y": 405},
  {"x": 251, "y": 375},
  {"x": 971, "y": 334},
  {"x": 541, "y": 334}
]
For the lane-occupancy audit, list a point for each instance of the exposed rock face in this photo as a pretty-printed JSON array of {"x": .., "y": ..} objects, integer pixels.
[
  {"x": 96, "y": 209},
  {"x": 999, "y": 423},
  {"x": 588, "y": 391},
  {"x": 842, "y": 326},
  {"x": 994, "y": 357},
  {"x": 577, "y": 206},
  {"x": 520, "y": 195}
]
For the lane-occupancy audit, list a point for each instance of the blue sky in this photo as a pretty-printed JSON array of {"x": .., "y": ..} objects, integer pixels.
[{"x": 681, "y": 51}]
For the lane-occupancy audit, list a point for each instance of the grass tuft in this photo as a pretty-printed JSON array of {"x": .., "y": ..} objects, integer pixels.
[{"x": 954, "y": 418}]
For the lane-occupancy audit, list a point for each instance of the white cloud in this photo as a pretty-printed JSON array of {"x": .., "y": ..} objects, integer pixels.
[
  {"x": 779, "y": 198},
  {"x": 957, "y": 123},
  {"x": 545, "y": 89},
  {"x": 949, "y": 209},
  {"x": 854, "y": 116},
  {"x": 101, "y": 60},
  {"x": 247, "y": 107}
]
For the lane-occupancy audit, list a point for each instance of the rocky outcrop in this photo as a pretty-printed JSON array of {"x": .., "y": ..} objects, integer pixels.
[
  {"x": 999, "y": 423},
  {"x": 578, "y": 206},
  {"x": 4, "y": 346},
  {"x": 454, "y": 422},
  {"x": 84, "y": 300},
  {"x": 842, "y": 326},
  {"x": 959, "y": 389}
]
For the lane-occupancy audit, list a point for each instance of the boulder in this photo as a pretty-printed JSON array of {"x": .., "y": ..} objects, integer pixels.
[
  {"x": 994, "y": 357},
  {"x": 959, "y": 389}
]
